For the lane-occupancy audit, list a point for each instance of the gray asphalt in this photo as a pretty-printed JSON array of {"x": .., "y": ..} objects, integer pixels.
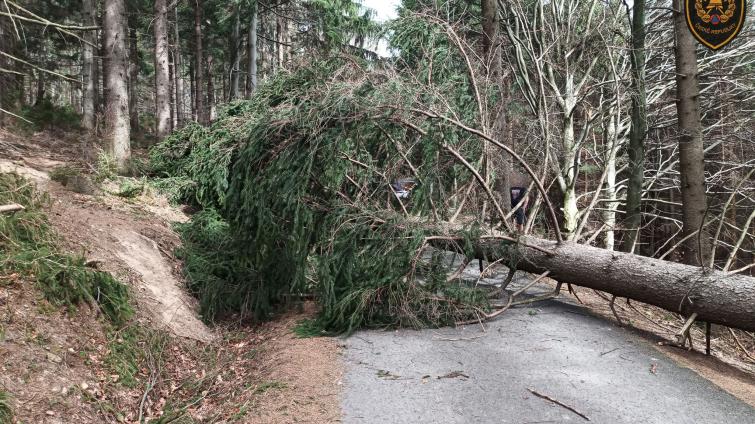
[{"x": 554, "y": 348}]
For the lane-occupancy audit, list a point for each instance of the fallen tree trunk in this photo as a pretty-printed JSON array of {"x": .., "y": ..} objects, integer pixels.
[{"x": 715, "y": 296}]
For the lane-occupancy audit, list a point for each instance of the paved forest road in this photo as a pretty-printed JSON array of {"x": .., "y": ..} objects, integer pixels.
[{"x": 608, "y": 374}]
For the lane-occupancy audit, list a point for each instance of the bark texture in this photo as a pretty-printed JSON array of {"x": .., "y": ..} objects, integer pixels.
[
  {"x": 691, "y": 154},
  {"x": 636, "y": 149},
  {"x": 236, "y": 54},
  {"x": 88, "y": 74},
  {"x": 251, "y": 83},
  {"x": 118, "y": 128},
  {"x": 162, "y": 69},
  {"x": 179, "y": 81},
  {"x": 198, "y": 63},
  {"x": 715, "y": 296},
  {"x": 133, "y": 74}
]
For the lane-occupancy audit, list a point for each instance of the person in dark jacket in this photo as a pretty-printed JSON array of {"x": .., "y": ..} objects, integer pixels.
[
  {"x": 403, "y": 187},
  {"x": 519, "y": 194}
]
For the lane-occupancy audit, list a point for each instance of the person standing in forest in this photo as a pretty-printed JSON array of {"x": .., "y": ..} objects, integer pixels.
[{"x": 519, "y": 194}]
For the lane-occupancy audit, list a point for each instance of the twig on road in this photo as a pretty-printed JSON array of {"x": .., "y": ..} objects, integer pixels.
[{"x": 548, "y": 398}]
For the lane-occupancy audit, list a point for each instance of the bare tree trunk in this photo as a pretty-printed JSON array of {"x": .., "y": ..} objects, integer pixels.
[
  {"x": 210, "y": 90},
  {"x": 492, "y": 58},
  {"x": 118, "y": 129},
  {"x": 691, "y": 155},
  {"x": 87, "y": 68},
  {"x": 611, "y": 147},
  {"x": 636, "y": 150},
  {"x": 198, "y": 63},
  {"x": 251, "y": 82},
  {"x": 717, "y": 297},
  {"x": 279, "y": 37},
  {"x": 133, "y": 75},
  {"x": 162, "y": 69},
  {"x": 236, "y": 55},
  {"x": 179, "y": 81},
  {"x": 172, "y": 93},
  {"x": 193, "y": 92}
]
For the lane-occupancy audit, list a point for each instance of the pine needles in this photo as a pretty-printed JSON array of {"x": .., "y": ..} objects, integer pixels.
[
  {"x": 6, "y": 413},
  {"x": 295, "y": 183},
  {"x": 29, "y": 247}
]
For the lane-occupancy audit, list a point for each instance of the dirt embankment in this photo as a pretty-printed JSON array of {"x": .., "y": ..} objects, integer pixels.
[{"x": 70, "y": 366}]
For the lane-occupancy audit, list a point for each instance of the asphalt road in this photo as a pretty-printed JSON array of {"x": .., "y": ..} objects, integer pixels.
[{"x": 554, "y": 348}]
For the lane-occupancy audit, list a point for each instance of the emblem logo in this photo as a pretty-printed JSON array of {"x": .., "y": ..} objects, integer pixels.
[{"x": 714, "y": 23}]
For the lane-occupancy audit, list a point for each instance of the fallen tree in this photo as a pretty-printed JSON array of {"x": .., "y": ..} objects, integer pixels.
[
  {"x": 715, "y": 296},
  {"x": 295, "y": 187}
]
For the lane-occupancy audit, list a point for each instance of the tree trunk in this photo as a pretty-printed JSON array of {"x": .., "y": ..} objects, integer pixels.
[
  {"x": 636, "y": 149},
  {"x": 172, "y": 93},
  {"x": 691, "y": 155},
  {"x": 715, "y": 296},
  {"x": 198, "y": 63},
  {"x": 87, "y": 68},
  {"x": 251, "y": 82},
  {"x": 133, "y": 75},
  {"x": 193, "y": 92},
  {"x": 118, "y": 129},
  {"x": 611, "y": 144},
  {"x": 492, "y": 58},
  {"x": 179, "y": 81},
  {"x": 279, "y": 37},
  {"x": 210, "y": 90},
  {"x": 236, "y": 55},
  {"x": 162, "y": 69}
]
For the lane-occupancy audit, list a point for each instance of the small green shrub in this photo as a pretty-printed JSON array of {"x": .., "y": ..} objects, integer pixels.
[
  {"x": 29, "y": 246},
  {"x": 61, "y": 174},
  {"x": 131, "y": 188},
  {"x": 44, "y": 115},
  {"x": 106, "y": 167}
]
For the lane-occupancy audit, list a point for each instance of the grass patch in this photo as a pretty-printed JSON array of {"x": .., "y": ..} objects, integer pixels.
[
  {"x": 269, "y": 385},
  {"x": 133, "y": 349},
  {"x": 308, "y": 328},
  {"x": 130, "y": 189},
  {"x": 30, "y": 247},
  {"x": 6, "y": 414}
]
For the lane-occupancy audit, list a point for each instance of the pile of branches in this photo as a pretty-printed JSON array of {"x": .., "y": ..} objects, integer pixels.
[{"x": 294, "y": 187}]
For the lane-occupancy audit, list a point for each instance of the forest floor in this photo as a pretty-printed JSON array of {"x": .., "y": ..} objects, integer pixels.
[
  {"x": 69, "y": 366},
  {"x": 63, "y": 366}
]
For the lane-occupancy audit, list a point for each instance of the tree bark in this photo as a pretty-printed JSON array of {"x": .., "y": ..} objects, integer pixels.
[
  {"x": 133, "y": 75},
  {"x": 636, "y": 149},
  {"x": 162, "y": 69},
  {"x": 198, "y": 63},
  {"x": 192, "y": 92},
  {"x": 87, "y": 68},
  {"x": 715, "y": 296},
  {"x": 691, "y": 154},
  {"x": 280, "y": 39},
  {"x": 179, "y": 81},
  {"x": 210, "y": 90},
  {"x": 118, "y": 129},
  {"x": 172, "y": 92},
  {"x": 251, "y": 82},
  {"x": 492, "y": 58},
  {"x": 236, "y": 55}
]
